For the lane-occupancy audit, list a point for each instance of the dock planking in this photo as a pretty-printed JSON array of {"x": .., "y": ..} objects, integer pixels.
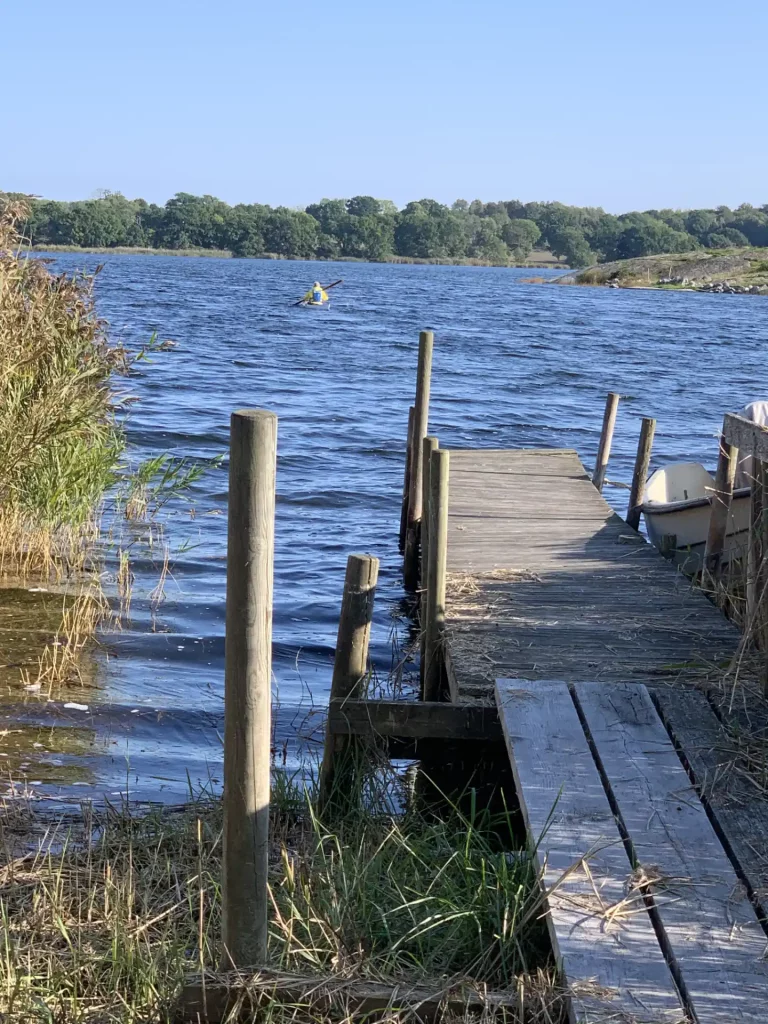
[
  {"x": 603, "y": 938},
  {"x": 714, "y": 936},
  {"x": 593, "y": 762},
  {"x": 546, "y": 581}
]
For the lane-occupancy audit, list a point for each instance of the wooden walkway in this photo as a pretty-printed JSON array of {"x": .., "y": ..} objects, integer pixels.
[
  {"x": 602, "y": 651},
  {"x": 547, "y": 582}
]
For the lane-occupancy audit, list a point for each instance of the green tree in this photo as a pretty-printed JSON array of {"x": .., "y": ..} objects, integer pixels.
[
  {"x": 290, "y": 232},
  {"x": 428, "y": 230},
  {"x": 570, "y": 243},
  {"x": 726, "y": 238},
  {"x": 363, "y": 206},
  {"x": 646, "y": 236},
  {"x": 244, "y": 230},
  {"x": 521, "y": 235},
  {"x": 487, "y": 244}
]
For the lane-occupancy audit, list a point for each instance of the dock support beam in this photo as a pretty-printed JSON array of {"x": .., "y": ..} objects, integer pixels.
[
  {"x": 721, "y": 506},
  {"x": 247, "y": 686},
  {"x": 606, "y": 439},
  {"x": 350, "y": 664},
  {"x": 420, "y": 421},
  {"x": 436, "y": 567},
  {"x": 406, "y": 481},
  {"x": 640, "y": 475}
]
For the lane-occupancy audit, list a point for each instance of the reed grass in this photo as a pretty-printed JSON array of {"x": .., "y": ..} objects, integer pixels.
[
  {"x": 104, "y": 915},
  {"x": 60, "y": 442}
]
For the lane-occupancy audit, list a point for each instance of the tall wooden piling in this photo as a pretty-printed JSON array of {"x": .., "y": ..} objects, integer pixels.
[
  {"x": 430, "y": 445},
  {"x": 640, "y": 475},
  {"x": 606, "y": 439},
  {"x": 436, "y": 569},
  {"x": 407, "y": 477},
  {"x": 721, "y": 506},
  {"x": 350, "y": 663},
  {"x": 420, "y": 421},
  {"x": 247, "y": 686}
]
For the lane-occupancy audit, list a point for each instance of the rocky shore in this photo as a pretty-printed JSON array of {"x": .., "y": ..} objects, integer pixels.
[{"x": 732, "y": 272}]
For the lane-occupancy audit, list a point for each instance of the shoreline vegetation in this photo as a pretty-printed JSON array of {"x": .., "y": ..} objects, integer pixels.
[
  {"x": 501, "y": 233},
  {"x": 734, "y": 271},
  {"x": 542, "y": 259},
  {"x": 106, "y": 914}
]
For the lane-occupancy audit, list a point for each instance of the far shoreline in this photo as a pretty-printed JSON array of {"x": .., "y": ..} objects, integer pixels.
[{"x": 547, "y": 261}]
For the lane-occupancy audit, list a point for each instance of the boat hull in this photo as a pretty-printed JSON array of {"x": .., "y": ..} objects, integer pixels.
[{"x": 688, "y": 523}]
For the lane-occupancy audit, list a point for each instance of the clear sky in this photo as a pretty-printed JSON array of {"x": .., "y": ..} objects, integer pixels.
[{"x": 621, "y": 105}]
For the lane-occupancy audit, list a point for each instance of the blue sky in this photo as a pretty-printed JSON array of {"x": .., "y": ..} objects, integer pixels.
[{"x": 625, "y": 106}]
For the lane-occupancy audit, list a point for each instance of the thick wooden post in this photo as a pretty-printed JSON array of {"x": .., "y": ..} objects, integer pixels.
[
  {"x": 247, "y": 686},
  {"x": 640, "y": 475},
  {"x": 721, "y": 506},
  {"x": 436, "y": 567},
  {"x": 351, "y": 662},
  {"x": 420, "y": 421},
  {"x": 606, "y": 438},
  {"x": 430, "y": 445},
  {"x": 404, "y": 506}
]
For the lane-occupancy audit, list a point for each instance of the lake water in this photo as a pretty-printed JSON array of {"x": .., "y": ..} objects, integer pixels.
[{"x": 514, "y": 365}]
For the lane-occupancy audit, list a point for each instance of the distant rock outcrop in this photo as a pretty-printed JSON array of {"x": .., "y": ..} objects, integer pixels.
[{"x": 728, "y": 271}]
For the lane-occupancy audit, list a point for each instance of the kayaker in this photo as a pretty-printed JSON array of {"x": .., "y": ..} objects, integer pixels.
[{"x": 317, "y": 295}]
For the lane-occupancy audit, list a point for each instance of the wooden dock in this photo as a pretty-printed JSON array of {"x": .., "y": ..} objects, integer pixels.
[
  {"x": 601, "y": 653},
  {"x": 547, "y": 582}
]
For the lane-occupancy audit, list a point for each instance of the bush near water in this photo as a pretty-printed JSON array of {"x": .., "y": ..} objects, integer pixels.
[
  {"x": 59, "y": 440},
  {"x": 374, "y": 229}
]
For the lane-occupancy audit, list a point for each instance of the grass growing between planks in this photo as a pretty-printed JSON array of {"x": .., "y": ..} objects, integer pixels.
[{"x": 105, "y": 920}]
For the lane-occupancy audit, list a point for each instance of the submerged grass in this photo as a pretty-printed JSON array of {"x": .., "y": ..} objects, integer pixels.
[{"x": 105, "y": 917}]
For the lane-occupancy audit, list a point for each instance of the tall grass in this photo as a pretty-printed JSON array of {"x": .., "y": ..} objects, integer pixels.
[
  {"x": 105, "y": 918},
  {"x": 60, "y": 443}
]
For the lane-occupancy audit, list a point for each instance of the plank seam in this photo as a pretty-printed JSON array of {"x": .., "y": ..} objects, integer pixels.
[
  {"x": 650, "y": 904},
  {"x": 760, "y": 910}
]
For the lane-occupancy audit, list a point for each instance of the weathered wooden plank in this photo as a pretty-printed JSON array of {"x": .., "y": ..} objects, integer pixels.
[
  {"x": 713, "y": 933},
  {"x": 604, "y": 939},
  {"x": 413, "y": 720},
  {"x": 545, "y": 580},
  {"x": 750, "y": 438},
  {"x": 737, "y": 806},
  {"x": 239, "y": 997}
]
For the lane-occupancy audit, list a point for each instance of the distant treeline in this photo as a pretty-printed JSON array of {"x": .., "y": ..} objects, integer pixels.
[{"x": 374, "y": 229}]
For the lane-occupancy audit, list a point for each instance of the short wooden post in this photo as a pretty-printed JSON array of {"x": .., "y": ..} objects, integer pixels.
[
  {"x": 606, "y": 438},
  {"x": 407, "y": 474},
  {"x": 721, "y": 506},
  {"x": 430, "y": 445},
  {"x": 436, "y": 568},
  {"x": 351, "y": 662},
  {"x": 247, "y": 686},
  {"x": 420, "y": 421},
  {"x": 640, "y": 475}
]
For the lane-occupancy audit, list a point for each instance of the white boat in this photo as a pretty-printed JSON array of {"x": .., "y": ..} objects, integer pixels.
[{"x": 678, "y": 500}]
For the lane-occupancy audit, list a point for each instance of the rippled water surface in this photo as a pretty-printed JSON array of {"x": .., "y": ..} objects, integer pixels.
[{"x": 514, "y": 365}]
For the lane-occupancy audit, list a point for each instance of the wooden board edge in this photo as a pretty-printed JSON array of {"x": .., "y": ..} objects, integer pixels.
[{"x": 214, "y": 1001}]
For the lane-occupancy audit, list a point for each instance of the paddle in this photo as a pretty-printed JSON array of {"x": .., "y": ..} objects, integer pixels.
[{"x": 326, "y": 288}]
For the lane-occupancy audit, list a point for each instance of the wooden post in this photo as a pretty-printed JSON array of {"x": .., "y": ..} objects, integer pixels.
[
  {"x": 436, "y": 567},
  {"x": 606, "y": 438},
  {"x": 640, "y": 475},
  {"x": 351, "y": 662},
  {"x": 721, "y": 506},
  {"x": 404, "y": 506},
  {"x": 420, "y": 421},
  {"x": 430, "y": 445},
  {"x": 247, "y": 686}
]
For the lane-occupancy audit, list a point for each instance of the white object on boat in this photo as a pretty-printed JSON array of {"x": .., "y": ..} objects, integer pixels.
[{"x": 678, "y": 500}]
